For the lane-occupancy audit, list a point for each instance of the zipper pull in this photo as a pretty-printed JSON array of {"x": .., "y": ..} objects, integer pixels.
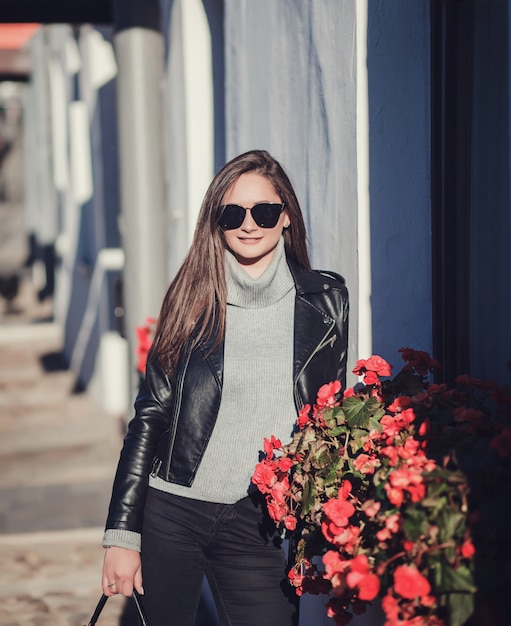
[{"x": 156, "y": 467}]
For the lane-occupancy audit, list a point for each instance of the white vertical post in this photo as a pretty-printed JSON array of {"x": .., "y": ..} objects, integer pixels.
[
  {"x": 139, "y": 50},
  {"x": 198, "y": 84},
  {"x": 364, "y": 225}
]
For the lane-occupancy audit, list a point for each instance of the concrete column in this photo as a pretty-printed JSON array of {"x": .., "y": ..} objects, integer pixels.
[{"x": 139, "y": 50}]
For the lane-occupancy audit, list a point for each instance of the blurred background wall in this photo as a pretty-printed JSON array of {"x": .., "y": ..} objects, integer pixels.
[
  {"x": 392, "y": 119},
  {"x": 386, "y": 115}
]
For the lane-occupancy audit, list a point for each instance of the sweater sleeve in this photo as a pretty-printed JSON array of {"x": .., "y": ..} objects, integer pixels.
[{"x": 122, "y": 539}]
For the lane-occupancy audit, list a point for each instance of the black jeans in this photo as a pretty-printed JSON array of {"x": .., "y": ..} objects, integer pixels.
[{"x": 246, "y": 569}]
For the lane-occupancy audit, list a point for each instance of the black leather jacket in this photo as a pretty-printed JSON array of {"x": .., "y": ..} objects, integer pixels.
[{"x": 174, "y": 417}]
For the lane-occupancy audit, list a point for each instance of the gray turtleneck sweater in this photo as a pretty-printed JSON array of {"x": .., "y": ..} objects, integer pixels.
[{"x": 257, "y": 391}]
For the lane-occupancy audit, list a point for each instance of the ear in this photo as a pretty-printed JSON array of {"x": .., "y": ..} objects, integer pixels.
[{"x": 287, "y": 221}]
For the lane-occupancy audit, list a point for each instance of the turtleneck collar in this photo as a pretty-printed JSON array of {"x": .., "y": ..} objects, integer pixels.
[{"x": 253, "y": 293}]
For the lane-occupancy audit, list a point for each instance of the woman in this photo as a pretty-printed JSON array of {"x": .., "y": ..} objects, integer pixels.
[{"x": 246, "y": 335}]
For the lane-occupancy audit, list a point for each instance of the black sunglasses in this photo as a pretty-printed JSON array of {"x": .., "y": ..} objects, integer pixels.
[{"x": 264, "y": 214}]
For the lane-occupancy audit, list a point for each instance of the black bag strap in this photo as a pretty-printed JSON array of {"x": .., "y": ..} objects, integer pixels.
[{"x": 138, "y": 602}]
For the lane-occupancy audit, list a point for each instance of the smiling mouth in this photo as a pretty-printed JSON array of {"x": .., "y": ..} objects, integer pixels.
[{"x": 250, "y": 239}]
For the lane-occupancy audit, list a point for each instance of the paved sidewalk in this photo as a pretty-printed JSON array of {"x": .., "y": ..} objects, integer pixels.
[{"x": 58, "y": 452}]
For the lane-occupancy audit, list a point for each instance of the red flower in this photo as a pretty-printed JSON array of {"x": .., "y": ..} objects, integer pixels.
[
  {"x": 365, "y": 464},
  {"x": 378, "y": 365},
  {"x": 270, "y": 445},
  {"x": 392, "y": 522},
  {"x": 395, "y": 496},
  {"x": 327, "y": 394},
  {"x": 407, "y": 416},
  {"x": 264, "y": 476},
  {"x": 345, "y": 536},
  {"x": 359, "y": 568},
  {"x": 390, "y": 607},
  {"x": 372, "y": 368},
  {"x": 470, "y": 381},
  {"x": 339, "y": 511},
  {"x": 284, "y": 464},
  {"x": 419, "y": 360},
  {"x": 334, "y": 563},
  {"x": 425, "y": 427},
  {"x": 369, "y": 587},
  {"x": 408, "y": 480},
  {"x": 392, "y": 453},
  {"x": 303, "y": 416},
  {"x": 400, "y": 403},
  {"x": 391, "y": 427},
  {"x": 360, "y": 367},
  {"x": 371, "y": 508},
  {"x": 371, "y": 378},
  {"x": 434, "y": 389},
  {"x": 277, "y": 511},
  {"x": 462, "y": 414},
  {"x": 467, "y": 549},
  {"x": 360, "y": 576},
  {"x": 296, "y": 579},
  {"x": 409, "y": 449},
  {"x": 290, "y": 522},
  {"x": 410, "y": 583},
  {"x": 145, "y": 335}
]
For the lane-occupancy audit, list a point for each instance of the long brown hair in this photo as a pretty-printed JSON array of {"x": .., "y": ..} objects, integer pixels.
[{"x": 195, "y": 303}]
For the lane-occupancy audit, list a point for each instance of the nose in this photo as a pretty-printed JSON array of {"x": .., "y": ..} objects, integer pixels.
[{"x": 248, "y": 223}]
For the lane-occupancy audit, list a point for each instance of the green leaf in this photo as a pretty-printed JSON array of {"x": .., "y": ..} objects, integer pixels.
[
  {"x": 460, "y": 607},
  {"x": 415, "y": 524},
  {"x": 359, "y": 411},
  {"x": 329, "y": 420},
  {"x": 334, "y": 417},
  {"x": 449, "y": 521},
  {"x": 337, "y": 430},
  {"x": 309, "y": 496},
  {"x": 374, "y": 422},
  {"x": 332, "y": 477},
  {"x": 457, "y": 580}
]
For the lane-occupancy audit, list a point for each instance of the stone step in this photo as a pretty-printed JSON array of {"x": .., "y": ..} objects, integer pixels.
[
  {"x": 71, "y": 464},
  {"x": 54, "y": 507},
  {"x": 39, "y": 436}
]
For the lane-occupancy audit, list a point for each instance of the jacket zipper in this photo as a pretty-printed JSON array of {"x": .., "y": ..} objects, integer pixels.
[
  {"x": 324, "y": 342},
  {"x": 177, "y": 408}
]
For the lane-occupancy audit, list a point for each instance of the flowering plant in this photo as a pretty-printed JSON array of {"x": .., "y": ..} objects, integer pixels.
[
  {"x": 145, "y": 336},
  {"x": 388, "y": 488}
]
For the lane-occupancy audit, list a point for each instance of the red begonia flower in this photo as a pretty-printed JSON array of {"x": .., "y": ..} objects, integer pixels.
[
  {"x": 371, "y": 378},
  {"x": 303, "y": 416},
  {"x": 264, "y": 476},
  {"x": 334, "y": 563},
  {"x": 390, "y": 607},
  {"x": 378, "y": 365},
  {"x": 410, "y": 583},
  {"x": 467, "y": 549},
  {"x": 270, "y": 445},
  {"x": 290, "y": 522},
  {"x": 327, "y": 394},
  {"x": 369, "y": 587},
  {"x": 339, "y": 511}
]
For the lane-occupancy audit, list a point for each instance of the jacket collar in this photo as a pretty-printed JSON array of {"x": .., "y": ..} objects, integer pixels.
[{"x": 306, "y": 281}]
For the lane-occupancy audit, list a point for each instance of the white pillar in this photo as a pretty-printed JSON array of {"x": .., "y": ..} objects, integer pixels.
[{"x": 139, "y": 50}]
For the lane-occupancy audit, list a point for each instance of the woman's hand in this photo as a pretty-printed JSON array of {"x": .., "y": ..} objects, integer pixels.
[{"x": 122, "y": 571}]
